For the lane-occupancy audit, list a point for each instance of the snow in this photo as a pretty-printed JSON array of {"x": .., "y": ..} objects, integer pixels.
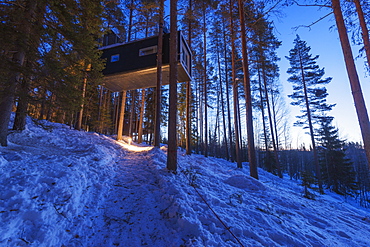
[{"x": 63, "y": 187}]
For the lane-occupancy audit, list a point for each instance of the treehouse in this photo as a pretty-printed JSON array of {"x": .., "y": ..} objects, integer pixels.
[{"x": 133, "y": 65}]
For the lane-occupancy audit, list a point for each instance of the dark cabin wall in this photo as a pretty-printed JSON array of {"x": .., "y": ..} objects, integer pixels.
[{"x": 129, "y": 59}]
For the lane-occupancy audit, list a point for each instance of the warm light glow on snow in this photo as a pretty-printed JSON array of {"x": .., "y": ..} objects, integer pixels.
[{"x": 134, "y": 148}]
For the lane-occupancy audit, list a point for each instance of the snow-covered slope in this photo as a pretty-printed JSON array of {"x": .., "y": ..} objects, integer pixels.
[{"x": 62, "y": 187}]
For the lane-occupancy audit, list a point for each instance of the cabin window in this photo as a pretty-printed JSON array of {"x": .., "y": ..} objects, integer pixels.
[
  {"x": 184, "y": 57},
  {"x": 148, "y": 50},
  {"x": 114, "y": 58}
]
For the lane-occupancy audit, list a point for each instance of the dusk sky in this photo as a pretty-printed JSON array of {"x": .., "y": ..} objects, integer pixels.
[{"x": 324, "y": 41}]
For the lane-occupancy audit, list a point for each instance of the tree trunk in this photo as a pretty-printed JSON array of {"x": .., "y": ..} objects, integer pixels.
[
  {"x": 273, "y": 103},
  {"x": 236, "y": 125},
  {"x": 7, "y": 101},
  {"x": 310, "y": 125},
  {"x": 248, "y": 95},
  {"x": 362, "y": 115},
  {"x": 121, "y": 116},
  {"x": 130, "y": 20},
  {"x": 270, "y": 122},
  {"x": 172, "y": 135},
  {"x": 200, "y": 117},
  {"x": 188, "y": 94},
  {"x": 222, "y": 103},
  {"x": 235, "y": 91},
  {"x": 188, "y": 118},
  {"x": 100, "y": 128},
  {"x": 364, "y": 29},
  {"x": 80, "y": 114},
  {"x": 205, "y": 80},
  {"x": 157, "y": 125},
  {"x": 142, "y": 108},
  {"x": 263, "y": 110},
  {"x": 132, "y": 113},
  {"x": 21, "y": 113},
  {"x": 228, "y": 98},
  {"x": 8, "y": 93}
]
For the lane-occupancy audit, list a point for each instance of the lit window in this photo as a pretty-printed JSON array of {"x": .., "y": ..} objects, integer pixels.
[
  {"x": 148, "y": 50},
  {"x": 114, "y": 58}
]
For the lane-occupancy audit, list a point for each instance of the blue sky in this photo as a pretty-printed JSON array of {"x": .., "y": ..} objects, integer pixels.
[{"x": 324, "y": 41}]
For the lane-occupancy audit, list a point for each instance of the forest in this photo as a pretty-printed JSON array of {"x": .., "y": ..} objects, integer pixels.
[{"x": 233, "y": 108}]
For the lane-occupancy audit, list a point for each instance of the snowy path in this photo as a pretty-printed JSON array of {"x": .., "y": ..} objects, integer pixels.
[{"x": 133, "y": 213}]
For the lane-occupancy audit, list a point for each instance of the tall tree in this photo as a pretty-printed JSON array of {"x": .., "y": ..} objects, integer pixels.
[
  {"x": 157, "y": 128},
  {"x": 66, "y": 32},
  {"x": 308, "y": 92},
  {"x": 264, "y": 52},
  {"x": 248, "y": 94},
  {"x": 172, "y": 136},
  {"x": 14, "y": 57},
  {"x": 227, "y": 86},
  {"x": 362, "y": 114},
  {"x": 235, "y": 86}
]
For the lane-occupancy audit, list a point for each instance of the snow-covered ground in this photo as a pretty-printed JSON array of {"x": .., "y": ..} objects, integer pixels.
[{"x": 62, "y": 187}]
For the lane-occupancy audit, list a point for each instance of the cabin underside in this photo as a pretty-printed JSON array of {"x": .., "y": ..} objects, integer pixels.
[{"x": 143, "y": 78}]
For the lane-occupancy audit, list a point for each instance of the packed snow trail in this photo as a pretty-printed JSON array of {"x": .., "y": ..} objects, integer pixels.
[{"x": 136, "y": 206}]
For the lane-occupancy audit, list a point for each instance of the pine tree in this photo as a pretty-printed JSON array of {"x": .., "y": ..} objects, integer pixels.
[
  {"x": 337, "y": 171},
  {"x": 264, "y": 52},
  {"x": 358, "y": 98},
  {"x": 49, "y": 41},
  {"x": 309, "y": 94}
]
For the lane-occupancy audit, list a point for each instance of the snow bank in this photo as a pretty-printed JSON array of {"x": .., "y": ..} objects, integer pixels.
[{"x": 53, "y": 182}]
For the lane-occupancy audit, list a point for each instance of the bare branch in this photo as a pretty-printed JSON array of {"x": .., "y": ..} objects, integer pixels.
[
  {"x": 313, "y": 23},
  {"x": 267, "y": 12},
  {"x": 312, "y": 5}
]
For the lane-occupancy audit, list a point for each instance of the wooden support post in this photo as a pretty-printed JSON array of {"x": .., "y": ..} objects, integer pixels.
[{"x": 121, "y": 116}]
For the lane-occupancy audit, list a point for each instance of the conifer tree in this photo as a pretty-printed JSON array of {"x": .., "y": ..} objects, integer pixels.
[
  {"x": 60, "y": 37},
  {"x": 337, "y": 171},
  {"x": 309, "y": 94}
]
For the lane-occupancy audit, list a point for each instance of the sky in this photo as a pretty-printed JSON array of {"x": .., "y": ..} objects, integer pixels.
[
  {"x": 63, "y": 187},
  {"x": 324, "y": 41}
]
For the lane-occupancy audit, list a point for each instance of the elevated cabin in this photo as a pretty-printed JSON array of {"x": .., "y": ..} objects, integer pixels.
[{"x": 133, "y": 65}]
